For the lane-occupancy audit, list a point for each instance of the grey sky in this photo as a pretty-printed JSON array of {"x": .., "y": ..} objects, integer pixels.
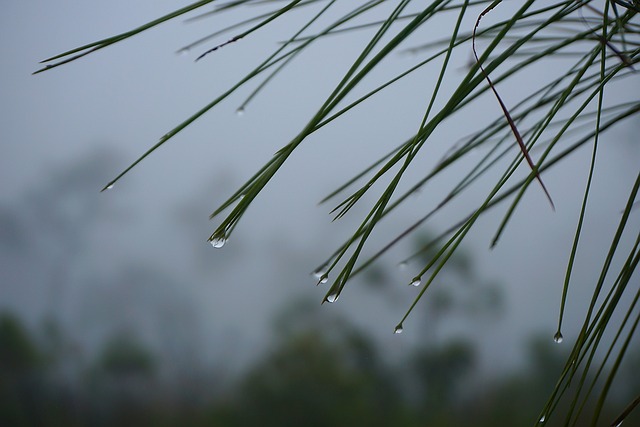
[{"x": 126, "y": 96}]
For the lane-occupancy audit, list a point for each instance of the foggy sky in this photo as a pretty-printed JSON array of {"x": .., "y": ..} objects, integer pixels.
[{"x": 119, "y": 101}]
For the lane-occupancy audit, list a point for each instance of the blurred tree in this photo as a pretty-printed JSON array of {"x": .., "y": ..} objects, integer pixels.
[
  {"x": 18, "y": 354},
  {"x": 20, "y": 380},
  {"x": 439, "y": 373},
  {"x": 316, "y": 379},
  {"x": 124, "y": 356},
  {"x": 121, "y": 383}
]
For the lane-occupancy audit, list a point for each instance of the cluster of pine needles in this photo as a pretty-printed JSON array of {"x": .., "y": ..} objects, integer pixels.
[{"x": 598, "y": 45}]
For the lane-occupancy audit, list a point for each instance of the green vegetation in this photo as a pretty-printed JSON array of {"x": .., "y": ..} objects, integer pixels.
[
  {"x": 594, "y": 49},
  {"x": 310, "y": 377}
]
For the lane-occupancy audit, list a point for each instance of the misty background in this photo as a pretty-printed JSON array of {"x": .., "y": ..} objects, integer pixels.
[{"x": 85, "y": 272}]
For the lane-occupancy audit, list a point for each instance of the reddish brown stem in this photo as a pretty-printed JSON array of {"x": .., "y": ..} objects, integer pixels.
[{"x": 512, "y": 124}]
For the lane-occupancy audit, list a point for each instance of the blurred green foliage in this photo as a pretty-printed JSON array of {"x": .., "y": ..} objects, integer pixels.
[
  {"x": 315, "y": 374},
  {"x": 311, "y": 377}
]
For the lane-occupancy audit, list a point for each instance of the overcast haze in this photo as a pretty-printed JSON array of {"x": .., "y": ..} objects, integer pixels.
[{"x": 94, "y": 116}]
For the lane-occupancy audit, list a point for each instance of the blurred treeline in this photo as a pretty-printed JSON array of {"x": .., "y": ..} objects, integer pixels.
[
  {"x": 313, "y": 373},
  {"x": 311, "y": 377}
]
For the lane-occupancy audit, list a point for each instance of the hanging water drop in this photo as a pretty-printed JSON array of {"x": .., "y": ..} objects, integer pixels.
[
  {"x": 324, "y": 279},
  {"x": 184, "y": 51},
  {"x": 218, "y": 241},
  {"x": 558, "y": 337},
  {"x": 320, "y": 271},
  {"x": 240, "y": 111},
  {"x": 542, "y": 419},
  {"x": 331, "y": 298},
  {"x": 416, "y": 281},
  {"x": 398, "y": 329},
  {"x": 108, "y": 187}
]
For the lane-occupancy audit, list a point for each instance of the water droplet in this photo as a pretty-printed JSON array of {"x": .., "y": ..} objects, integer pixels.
[
  {"x": 332, "y": 297},
  {"x": 324, "y": 279},
  {"x": 402, "y": 265},
  {"x": 109, "y": 187},
  {"x": 619, "y": 424},
  {"x": 184, "y": 51},
  {"x": 320, "y": 271},
  {"x": 542, "y": 418},
  {"x": 415, "y": 281},
  {"x": 240, "y": 111},
  {"x": 398, "y": 329},
  {"x": 558, "y": 337},
  {"x": 217, "y": 241}
]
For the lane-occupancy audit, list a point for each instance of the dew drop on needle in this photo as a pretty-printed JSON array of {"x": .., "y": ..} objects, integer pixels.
[
  {"x": 558, "y": 337},
  {"x": 218, "y": 242},
  {"x": 331, "y": 298},
  {"x": 320, "y": 271}
]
